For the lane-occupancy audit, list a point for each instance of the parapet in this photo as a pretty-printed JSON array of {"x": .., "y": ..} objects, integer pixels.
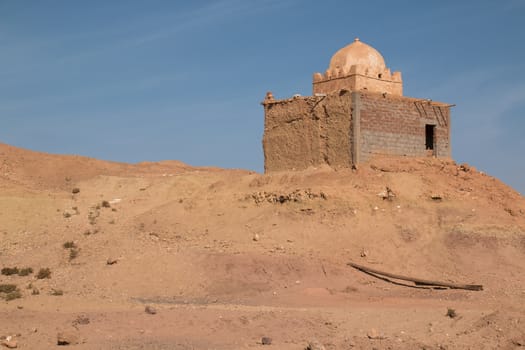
[{"x": 357, "y": 67}]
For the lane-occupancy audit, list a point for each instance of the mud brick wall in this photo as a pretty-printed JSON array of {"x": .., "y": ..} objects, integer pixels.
[
  {"x": 334, "y": 115},
  {"x": 396, "y": 126},
  {"x": 307, "y": 131},
  {"x": 291, "y": 135}
]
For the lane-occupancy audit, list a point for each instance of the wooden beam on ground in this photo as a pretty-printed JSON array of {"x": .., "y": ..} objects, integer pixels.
[{"x": 417, "y": 281}]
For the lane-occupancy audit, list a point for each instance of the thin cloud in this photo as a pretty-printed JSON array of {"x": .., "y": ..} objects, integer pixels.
[
  {"x": 166, "y": 27},
  {"x": 83, "y": 93},
  {"x": 135, "y": 33}
]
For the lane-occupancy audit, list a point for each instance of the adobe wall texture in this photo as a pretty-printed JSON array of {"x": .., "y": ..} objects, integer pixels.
[
  {"x": 307, "y": 131},
  {"x": 345, "y": 128}
]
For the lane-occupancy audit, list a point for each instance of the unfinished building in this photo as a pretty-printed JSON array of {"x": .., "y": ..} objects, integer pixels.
[{"x": 357, "y": 111}]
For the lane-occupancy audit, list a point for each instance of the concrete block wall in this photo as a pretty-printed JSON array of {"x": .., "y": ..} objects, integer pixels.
[{"x": 395, "y": 125}]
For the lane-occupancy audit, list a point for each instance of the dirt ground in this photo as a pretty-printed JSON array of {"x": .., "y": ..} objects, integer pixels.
[{"x": 223, "y": 258}]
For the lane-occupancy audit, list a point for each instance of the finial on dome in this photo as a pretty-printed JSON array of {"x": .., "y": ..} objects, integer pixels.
[{"x": 356, "y": 39}]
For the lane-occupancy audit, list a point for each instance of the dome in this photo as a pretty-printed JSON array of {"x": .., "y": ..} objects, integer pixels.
[{"x": 357, "y": 53}]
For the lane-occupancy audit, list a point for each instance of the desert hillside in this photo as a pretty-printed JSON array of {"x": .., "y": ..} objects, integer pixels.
[{"x": 222, "y": 258}]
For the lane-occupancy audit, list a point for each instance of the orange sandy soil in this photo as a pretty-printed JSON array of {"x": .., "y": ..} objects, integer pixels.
[{"x": 225, "y": 263}]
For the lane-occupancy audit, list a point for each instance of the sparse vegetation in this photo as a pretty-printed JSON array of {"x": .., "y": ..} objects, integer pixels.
[
  {"x": 90, "y": 232},
  {"x": 451, "y": 313},
  {"x": 93, "y": 215},
  {"x": 7, "y": 271},
  {"x": 25, "y": 271},
  {"x": 105, "y": 204},
  {"x": 35, "y": 291},
  {"x": 7, "y": 288},
  {"x": 75, "y": 190},
  {"x": 13, "y": 295},
  {"x": 43, "y": 273},
  {"x": 69, "y": 245},
  {"x": 10, "y": 292},
  {"x": 73, "y": 253}
]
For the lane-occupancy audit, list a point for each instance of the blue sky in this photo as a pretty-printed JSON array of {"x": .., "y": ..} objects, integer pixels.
[{"x": 153, "y": 80}]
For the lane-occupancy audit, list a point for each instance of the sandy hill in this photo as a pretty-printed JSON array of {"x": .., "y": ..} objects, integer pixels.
[{"x": 229, "y": 256}]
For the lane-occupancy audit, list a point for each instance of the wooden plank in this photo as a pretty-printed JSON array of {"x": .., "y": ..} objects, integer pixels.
[{"x": 417, "y": 281}]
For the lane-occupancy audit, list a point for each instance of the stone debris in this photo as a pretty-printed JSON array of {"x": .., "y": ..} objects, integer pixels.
[
  {"x": 374, "y": 334},
  {"x": 314, "y": 345},
  {"x": 518, "y": 342},
  {"x": 256, "y": 237},
  {"x": 296, "y": 196},
  {"x": 111, "y": 261},
  {"x": 266, "y": 341},
  {"x": 436, "y": 196},
  {"x": 67, "y": 338},
  {"x": 150, "y": 310},
  {"x": 10, "y": 344},
  {"x": 387, "y": 194},
  {"x": 464, "y": 167},
  {"x": 70, "y": 212}
]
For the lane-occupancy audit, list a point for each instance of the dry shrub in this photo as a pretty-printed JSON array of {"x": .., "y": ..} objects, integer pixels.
[
  {"x": 7, "y": 271},
  {"x": 43, "y": 273},
  {"x": 69, "y": 244}
]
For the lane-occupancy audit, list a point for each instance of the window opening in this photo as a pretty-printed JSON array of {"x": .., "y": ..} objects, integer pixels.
[{"x": 429, "y": 136}]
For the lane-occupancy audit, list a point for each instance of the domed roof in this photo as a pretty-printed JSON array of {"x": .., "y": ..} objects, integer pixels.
[{"x": 357, "y": 53}]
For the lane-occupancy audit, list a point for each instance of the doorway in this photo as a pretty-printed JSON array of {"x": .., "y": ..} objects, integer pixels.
[{"x": 430, "y": 136}]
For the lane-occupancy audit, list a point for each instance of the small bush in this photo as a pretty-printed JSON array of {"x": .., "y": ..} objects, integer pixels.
[
  {"x": 93, "y": 215},
  {"x": 35, "y": 291},
  {"x": 44, "y": 273},
  {"x": 7, "y": 271},
  {"x": 13, "y": 295},
  {"x": 451, "y": 313},
  {"x": 75, "y": 190},
  {"x": 73, "y": 253},
  {"x": 7, "y": 288},
  {"x": 25, "y": 271},
  {"x": 69, "y": 245},
  {"x": 105, "y": 204}
]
